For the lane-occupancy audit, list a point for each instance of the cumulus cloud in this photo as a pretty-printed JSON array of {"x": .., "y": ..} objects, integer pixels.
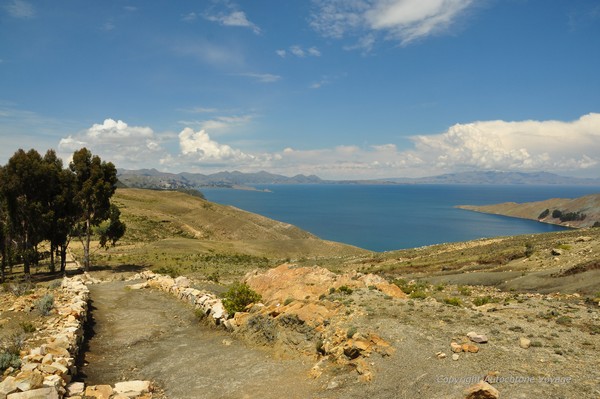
[
  {"x": 115, "y": 140},
  {"x": 199, "y": 147},
  {"x": 402, "y": 20},
  {"x": 563, "y": 147}
]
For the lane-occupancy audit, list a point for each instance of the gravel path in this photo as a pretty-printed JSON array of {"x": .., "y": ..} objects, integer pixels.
[{"x": 145, "y": 334}]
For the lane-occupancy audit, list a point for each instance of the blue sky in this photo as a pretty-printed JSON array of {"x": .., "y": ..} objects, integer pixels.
[{"x": 337, "y": 88}]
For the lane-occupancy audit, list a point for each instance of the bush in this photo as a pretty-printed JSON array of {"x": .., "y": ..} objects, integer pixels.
[
  {"x": 529, "y": 249},
  {"x": 544, "y": 214},
  {"x": 344, "y": 289},
  {"x": 27, "y": 327},
  {"x": 45, "y": 304},
  {"x": 556, "y": 214},
  {"x": 10, "y": 353},
  {"x": 351, "y": 331},
  {"x": 465, "y": 291},
  {"x": 418, "y": 295},
  {"x": 453, "y": 301},
  {"x": 482, "y": 300},
  {"x": 238, "y": 297}
]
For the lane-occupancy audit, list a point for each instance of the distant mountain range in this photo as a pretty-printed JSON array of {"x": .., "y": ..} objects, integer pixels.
[{"x": 154, "y": 179}]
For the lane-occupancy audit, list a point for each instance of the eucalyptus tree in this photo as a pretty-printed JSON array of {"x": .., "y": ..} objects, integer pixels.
[
  {"x": 61, "y": 209},
  {"x": 95, "y": 183},
  {"x": 24, "y": 189}
]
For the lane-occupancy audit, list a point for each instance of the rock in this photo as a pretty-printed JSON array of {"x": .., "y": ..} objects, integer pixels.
[
  {"x": 481, "y": 390},
  {"x": 133, "y": 388},
  {"x": 441, "y": 355},
  {"x": 138, "y": 286},
  {"x": 557, "y": 252},
  {"x": 28, "y": 380},
  {"x": 524, "y": 343},
  {"x": 42, "y": 393},
  {"x": 227, "y": 342},
  {"x": 8, "y": 386},
  {"x": 456, "y": 348},
  {"x": 182, "y": 282},
  {"x": 470, "y": 348},
  {"x": 75, "y": 388},
  {"x": 455, "y": 356},
  {"x": 99, "y": 391},
  {"x": 478, "y": 338}
]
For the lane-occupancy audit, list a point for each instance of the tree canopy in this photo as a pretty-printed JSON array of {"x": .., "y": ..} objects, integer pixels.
[{"x": 41, "y": 201}]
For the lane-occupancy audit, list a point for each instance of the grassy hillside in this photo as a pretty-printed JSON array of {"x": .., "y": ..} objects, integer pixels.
[
  {"x": 181, "y": 233},
  {"x": 588, "y": 206}
]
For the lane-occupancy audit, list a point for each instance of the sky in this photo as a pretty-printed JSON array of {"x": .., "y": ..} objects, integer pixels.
[{"x": 344, "y": 89}]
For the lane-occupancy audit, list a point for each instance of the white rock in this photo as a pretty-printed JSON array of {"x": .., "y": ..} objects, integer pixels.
[{"x": 132, "y": 388}]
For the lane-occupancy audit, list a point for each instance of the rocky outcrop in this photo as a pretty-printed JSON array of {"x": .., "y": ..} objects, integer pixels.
[{"x": 293, "y": 319}]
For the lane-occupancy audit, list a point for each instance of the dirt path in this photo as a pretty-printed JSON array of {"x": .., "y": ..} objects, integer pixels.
[{"x": 145, "y": 334}]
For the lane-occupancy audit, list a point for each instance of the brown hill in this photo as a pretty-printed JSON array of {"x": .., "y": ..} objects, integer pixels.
[
  {"x": 578, "y": 212},
  {"x": 181, "y": 233}
]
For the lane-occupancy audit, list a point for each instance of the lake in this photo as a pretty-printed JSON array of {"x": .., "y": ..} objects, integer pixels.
[{"x": 388, "y": 217}]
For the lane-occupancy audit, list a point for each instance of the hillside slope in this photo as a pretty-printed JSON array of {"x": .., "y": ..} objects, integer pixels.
[
  {"x": 187, "y": 234},
  {"x": 588, "y": 206}
]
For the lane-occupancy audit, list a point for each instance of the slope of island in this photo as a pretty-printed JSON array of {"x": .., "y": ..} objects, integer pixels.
[{"x": 578, "y": 212}]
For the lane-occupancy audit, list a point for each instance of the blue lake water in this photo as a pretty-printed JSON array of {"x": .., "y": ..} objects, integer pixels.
[{"x": 388, "y": 217}]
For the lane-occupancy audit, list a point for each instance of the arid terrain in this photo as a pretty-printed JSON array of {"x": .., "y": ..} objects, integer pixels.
[{"x": 521, "y": 312}]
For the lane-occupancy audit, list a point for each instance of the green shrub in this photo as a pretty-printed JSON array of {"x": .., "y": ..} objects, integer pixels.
[
  {"x": 10, "y": 353},
  {"x": 288, "y": 301},
  {"x": 45, "y": 304},
  {"x": 351, "y": 331},
  {"x": 238, "y": 297},
  {"x": 464, "y": 291},
  {"x": 27, "y": 327},
  {"x": 345, "y": 290},
  {"x": 418, "y": 295},
  {"x": 482, "y": 300},
  {"x": 453, "y": 301},
  {"x": 564, "y": 320},
  {"x": 544, "y": 214},
  {"x": 529, "y": 249},
  {"x": 168, "y": 270}
]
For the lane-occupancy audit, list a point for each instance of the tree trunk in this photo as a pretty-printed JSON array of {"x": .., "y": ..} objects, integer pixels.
[
  {"x": 52, "y": 265},
  {"x": 86, "y": 245},
  {"x": 63, "y": 259}
]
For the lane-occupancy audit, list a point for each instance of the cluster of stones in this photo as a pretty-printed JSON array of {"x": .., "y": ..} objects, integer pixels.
[{"x": 47, "y": 370}]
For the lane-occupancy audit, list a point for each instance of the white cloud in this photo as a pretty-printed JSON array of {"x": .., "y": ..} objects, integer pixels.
[
  {"x": 524, "y": 145},
  {"x": 567, "y": 148},
  {"x": 20, "y": 9},
  {"x": 233, "y": 18},
  {"x": 402, "y": 20},
  {"x": 299, "y": 51},
  {"x": 221, "y": 123},
  {"x": 199, "y": 147},
  {"x": 191, "y": 16},
  {"x": 116, "y": 141},
  {"x": 262, "y": 77}
]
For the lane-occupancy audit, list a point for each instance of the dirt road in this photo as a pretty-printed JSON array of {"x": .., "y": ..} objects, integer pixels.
[{"x": 145, "y": 334}]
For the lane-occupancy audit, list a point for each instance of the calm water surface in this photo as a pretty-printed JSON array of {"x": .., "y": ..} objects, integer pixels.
[{"x": 388, "y": 217}]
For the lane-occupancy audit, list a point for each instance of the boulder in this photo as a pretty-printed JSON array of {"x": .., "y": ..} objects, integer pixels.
[
  {"x": 133, "y": 389},
  {"x": 99, "y": 391},
  {"x": 524, "y": 343},
  {"x": 481, "y": 390},
  {"x": 478, "y": 338},
  {"x": 8, "y": 386},
  {"x": 75, "y": 388},
  {"x": 41, "y": 393}
]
